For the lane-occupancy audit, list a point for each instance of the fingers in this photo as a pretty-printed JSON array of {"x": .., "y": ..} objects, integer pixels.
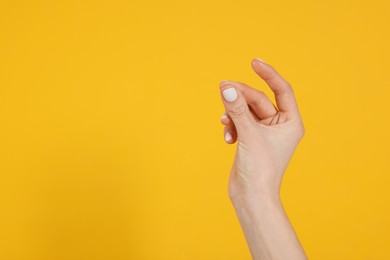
[
  {"x": 230, "y": 134},
  {"x": 225, "y": 119},
  {"x": 257, "y": 100},
  {"x": 284, "y": 94},
  {"x": 230, "y": 137},
  {"x": 237, "y": 108}
]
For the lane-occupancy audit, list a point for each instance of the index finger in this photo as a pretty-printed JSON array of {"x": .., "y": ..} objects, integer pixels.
[{"x": 284, "y": 95}]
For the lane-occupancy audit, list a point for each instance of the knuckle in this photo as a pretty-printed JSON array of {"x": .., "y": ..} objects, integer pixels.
[
  {"x": 260, "y": 96},
  {"x": 237, "y": 110}
]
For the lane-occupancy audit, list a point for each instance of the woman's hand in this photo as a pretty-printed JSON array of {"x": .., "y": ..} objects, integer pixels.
[{"x": 266, "y": 136}]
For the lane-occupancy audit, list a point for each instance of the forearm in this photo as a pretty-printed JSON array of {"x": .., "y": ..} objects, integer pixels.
[{"x": 267, "y": 229}]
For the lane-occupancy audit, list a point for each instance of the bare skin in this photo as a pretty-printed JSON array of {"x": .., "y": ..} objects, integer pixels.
[{"x": 266, "y": 136}]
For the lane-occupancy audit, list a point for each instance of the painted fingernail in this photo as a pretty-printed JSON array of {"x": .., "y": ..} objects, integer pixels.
[
  {"x": 228, "y": 136},
  {"x": 260, "y": 60},
  {"x": 230, "y": 94},
  {"x": 224, "y": 116}
]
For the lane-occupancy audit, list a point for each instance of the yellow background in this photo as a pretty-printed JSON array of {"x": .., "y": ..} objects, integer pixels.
[{"x": 111, "y": 145}]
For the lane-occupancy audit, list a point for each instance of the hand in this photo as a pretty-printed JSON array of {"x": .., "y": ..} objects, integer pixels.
[{"x": 267, "y": 135}]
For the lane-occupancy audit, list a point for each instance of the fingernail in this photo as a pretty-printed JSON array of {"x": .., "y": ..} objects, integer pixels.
[
  {"x": 228, "y": 136},
  {"x": 260, "y": 60},
  {"x": 224, "y": 116},
  {"x": 230, "y": 94}
]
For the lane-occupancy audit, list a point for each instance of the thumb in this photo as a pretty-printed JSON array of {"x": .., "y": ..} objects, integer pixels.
[{"x": 236, "y": 107}]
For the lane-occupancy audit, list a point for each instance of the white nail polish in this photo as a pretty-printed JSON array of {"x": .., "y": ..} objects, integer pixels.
[
  {"x": 224, "y": 116},
  {"x": 230, "y": 94},
  {"x": 228, "y": 136}
]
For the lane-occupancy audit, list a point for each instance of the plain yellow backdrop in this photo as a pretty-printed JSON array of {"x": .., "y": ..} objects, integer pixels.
[{"x": 111, "y": 145}]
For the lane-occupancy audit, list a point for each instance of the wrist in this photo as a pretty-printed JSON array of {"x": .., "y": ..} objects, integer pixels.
[
  {"x": 253, "y": 193},
  {"x": 255, "y": 199}
]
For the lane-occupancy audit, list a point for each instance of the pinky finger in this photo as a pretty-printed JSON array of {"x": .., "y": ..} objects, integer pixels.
[{"x": 230, "y": 134}]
